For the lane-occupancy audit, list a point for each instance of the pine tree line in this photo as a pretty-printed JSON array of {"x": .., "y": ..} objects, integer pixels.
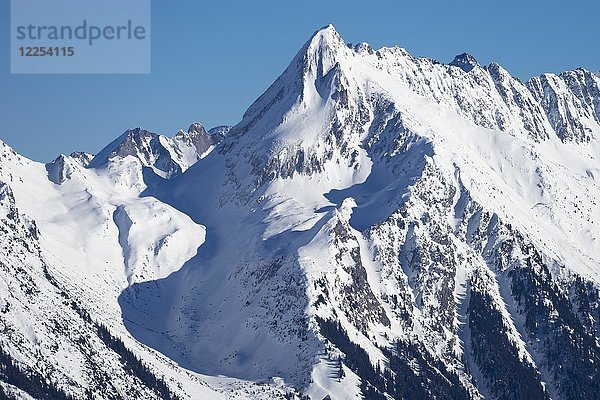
[
  {"x": 399, "y": 379},
  {"x": 507, "y": 374},
  {"x": 27, "y": 380},
  {"x": 131, "y": 362}
]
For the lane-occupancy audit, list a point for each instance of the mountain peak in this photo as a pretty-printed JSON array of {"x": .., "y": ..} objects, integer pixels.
[
  {"x": 136, "y": 132},
  {"x": 324, "y": 43},
  {"x": 328, "y": 29},
  {"x": 318, "y": 56},
  {"x": 327, "y": 35},
  {"x": 363, "y": 47},
  {"x": 465, "y": 61},
  {"x": 497, "y": 71},
  {"x": 196, "y": 128}
]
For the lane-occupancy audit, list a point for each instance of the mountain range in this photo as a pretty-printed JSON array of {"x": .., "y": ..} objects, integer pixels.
[{"x": 377, "y": 226}]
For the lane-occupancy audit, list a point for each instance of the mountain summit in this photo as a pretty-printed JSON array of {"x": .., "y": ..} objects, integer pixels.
[{"x": 465, "y": 61}]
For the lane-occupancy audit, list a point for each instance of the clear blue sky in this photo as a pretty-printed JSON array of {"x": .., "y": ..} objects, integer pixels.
[{"x": 211, "y": 60}]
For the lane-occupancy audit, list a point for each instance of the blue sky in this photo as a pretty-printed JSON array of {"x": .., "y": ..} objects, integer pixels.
[{"x": 211, "y": 60}]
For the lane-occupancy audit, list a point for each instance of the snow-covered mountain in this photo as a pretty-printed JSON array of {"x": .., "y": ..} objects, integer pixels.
[
  {"x": 163, "y": 155},
  {"x": 377, "y": 226}
]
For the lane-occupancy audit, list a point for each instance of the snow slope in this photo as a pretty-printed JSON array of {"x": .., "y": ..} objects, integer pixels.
[{"x": 92, "y": 237}]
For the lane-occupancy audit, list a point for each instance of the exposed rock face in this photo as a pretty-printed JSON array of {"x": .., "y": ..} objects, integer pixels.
[{"x": 570, "y": 101}]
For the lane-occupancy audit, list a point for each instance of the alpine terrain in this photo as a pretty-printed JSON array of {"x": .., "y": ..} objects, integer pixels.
[{"x": 377, "y": 226}]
